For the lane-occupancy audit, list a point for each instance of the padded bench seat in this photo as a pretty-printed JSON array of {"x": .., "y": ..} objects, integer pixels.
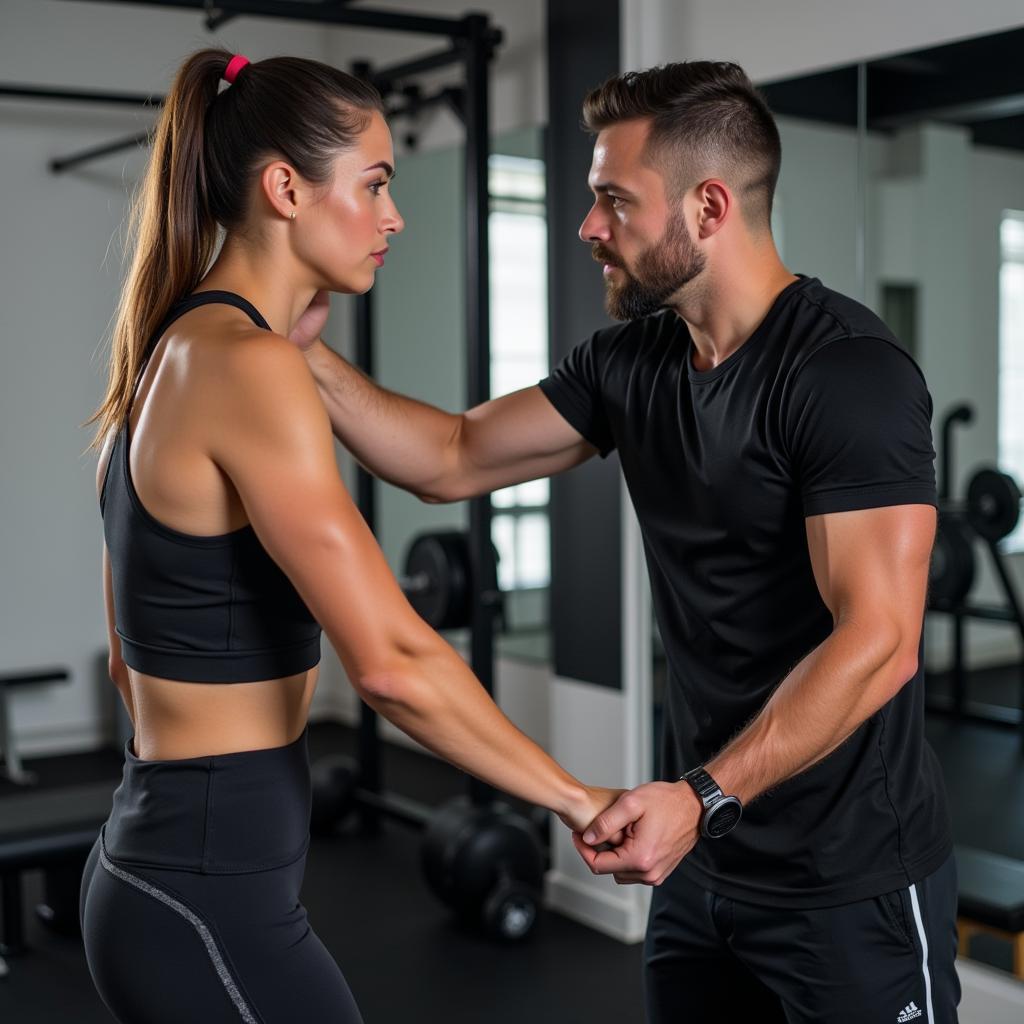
[
  {"x": 991, "y": 899},
  {"x": 44, "y": 828},
  {"x": 8, "y": 681}
]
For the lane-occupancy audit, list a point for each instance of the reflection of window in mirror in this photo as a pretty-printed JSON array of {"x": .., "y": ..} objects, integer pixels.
[
  {"x": 519, "y": 358},
  {"x": 1011, "y": 353},
  {"x": 898, "y": 308}
]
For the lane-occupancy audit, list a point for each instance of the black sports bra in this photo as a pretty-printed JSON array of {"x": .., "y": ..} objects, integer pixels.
[{"x": 213, "y": 609}]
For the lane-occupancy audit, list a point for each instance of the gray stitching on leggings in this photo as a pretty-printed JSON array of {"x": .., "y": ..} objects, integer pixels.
[{"x": 204, "y": 933}]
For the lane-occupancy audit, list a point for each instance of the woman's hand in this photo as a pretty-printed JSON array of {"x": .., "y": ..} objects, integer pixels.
[
  {"x": 593, "y": 800},
  {"x": 310, "y": 324}
]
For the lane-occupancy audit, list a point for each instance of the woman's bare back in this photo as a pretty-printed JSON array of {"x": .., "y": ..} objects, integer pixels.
[{"x": 180, "y": 486}]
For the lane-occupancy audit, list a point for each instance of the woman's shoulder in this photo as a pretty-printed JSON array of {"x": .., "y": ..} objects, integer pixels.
[
  {"x": 260, "y": 363},
  {"x": 263, "y": 384}
]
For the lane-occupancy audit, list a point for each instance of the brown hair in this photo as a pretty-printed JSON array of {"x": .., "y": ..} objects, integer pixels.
[
  {"x": 706, "y": 117},
  {"x": 207, "y": 149}
]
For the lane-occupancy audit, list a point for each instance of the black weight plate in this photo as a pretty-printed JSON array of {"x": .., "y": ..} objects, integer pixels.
[
  {"x": 443, "y": 559},
  {"x": 951, "y": 574},
  {"x": 993, "y": 504}
]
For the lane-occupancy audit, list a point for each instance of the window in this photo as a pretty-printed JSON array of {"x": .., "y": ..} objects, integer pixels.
[
  {"x": 1011, "y": 353},
  {"x": 519, "y": 354}
]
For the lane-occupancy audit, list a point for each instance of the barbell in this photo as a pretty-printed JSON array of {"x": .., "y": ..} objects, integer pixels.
[{"x": 437, "y": 578}]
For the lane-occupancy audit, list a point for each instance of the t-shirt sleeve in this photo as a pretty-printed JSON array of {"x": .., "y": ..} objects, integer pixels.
[
  {"x": 857, "y": 422},
  {"x": 574, "y": 389}
]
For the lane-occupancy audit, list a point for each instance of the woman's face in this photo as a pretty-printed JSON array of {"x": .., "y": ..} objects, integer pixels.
[{"x": 343, "y": 236}]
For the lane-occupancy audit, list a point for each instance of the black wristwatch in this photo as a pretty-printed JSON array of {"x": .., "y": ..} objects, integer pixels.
[{"x": 721, "y": 813}]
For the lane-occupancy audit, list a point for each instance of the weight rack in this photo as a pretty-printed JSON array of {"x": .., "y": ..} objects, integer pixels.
[{"x": 989, "y": 514}]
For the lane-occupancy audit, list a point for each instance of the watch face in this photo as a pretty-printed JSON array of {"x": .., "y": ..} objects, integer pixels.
[{"x": 722, "y": 818}]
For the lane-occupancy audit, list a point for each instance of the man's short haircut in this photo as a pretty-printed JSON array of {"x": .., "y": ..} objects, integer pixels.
[{"x": 707, "y": 119}]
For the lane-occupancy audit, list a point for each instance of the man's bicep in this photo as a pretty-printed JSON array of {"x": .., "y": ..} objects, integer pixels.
[
  {"x": 517, "y": 437},
  {"x": 872, "y": 564}
]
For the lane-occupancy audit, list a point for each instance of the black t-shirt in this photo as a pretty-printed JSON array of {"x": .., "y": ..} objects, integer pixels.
[{"x": 818, "y": 411}]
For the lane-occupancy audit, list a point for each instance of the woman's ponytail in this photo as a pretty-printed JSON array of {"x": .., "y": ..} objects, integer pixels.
[{"x": 172, "y": 233}]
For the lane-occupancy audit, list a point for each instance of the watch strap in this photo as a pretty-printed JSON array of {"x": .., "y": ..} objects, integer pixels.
[{"x": 704, "y": 786}]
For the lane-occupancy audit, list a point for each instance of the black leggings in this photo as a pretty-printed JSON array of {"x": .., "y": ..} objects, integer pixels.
[{"x": 190, "y": 897}]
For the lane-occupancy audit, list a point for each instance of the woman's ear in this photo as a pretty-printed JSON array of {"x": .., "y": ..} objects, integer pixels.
[{"x": 281, "y": 186}]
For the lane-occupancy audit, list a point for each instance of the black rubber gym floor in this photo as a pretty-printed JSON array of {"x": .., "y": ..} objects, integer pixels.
[{"x": 407, "y": 961}]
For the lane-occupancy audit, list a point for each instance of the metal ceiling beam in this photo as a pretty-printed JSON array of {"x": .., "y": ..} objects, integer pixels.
[
  {"x": 385, "y": 78},
  {"x": 962, "y": 94},
  {"x": 33, "y": 92},
  {"x": 215, "y": 17},
  {"x": 326, "y": 14},
  {"x": 65, "y": 163}
]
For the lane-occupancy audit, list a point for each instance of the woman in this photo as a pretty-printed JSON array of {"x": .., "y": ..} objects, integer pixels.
[{"x": 230, "y": 541}]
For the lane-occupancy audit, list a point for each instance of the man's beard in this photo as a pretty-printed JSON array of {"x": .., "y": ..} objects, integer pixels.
[{"x": 661, "y": 270}]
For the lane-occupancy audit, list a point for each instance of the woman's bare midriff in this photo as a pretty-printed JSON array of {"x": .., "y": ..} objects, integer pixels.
[{"x": 176, "y": 720}]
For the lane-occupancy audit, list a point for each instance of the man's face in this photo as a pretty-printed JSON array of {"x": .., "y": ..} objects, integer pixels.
[{"x": 639, "y": 236}]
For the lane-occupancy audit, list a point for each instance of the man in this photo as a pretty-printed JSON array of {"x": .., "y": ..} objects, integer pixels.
[{"x": 776, "y": 443}]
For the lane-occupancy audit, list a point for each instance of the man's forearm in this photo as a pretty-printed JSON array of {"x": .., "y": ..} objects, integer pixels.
[
  {"x": 407, "y": 443},
  {"x": 839, "y": 685}
]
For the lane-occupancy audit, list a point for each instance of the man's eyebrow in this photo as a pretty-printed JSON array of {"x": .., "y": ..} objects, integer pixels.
[
  {"x": 382, "y": 165},
  {"x": 610, "y": 186}
]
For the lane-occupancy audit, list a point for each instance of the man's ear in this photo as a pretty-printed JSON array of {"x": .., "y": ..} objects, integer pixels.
[{"x": 715, "y": 201}]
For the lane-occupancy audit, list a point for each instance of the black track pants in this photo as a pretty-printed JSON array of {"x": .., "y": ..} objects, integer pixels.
[
  {"x": 889, "y": 959},
  {"x": 190, "y": 897}
]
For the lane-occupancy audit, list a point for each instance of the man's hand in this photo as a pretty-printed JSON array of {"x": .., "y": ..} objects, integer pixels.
[
  {"x": 658, "y": 825},
  {"x": 311, "y": 323}
]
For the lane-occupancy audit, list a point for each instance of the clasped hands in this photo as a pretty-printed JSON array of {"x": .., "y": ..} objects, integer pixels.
[{"x": 641, "y": 835}]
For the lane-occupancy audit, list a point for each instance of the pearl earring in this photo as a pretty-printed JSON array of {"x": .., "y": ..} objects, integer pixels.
[{"x": 293, "y": 215}]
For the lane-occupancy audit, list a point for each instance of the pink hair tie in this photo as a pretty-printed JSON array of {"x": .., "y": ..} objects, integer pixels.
[{"x": 234, "y": 66}]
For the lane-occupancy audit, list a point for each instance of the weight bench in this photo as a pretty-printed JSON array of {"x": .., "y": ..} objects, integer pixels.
[
  {"x": 991, "y": 900},
  {"x": 8, "y": 680},
  {"x": 45, "y": 829}
]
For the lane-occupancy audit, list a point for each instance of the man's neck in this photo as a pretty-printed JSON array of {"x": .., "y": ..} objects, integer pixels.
[{"x": 728, "y": 306}]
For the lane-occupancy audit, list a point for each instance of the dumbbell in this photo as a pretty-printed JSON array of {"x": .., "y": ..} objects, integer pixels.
[
  {"x": 487, "y": 864},
  {"x": 993, "y": 503}
]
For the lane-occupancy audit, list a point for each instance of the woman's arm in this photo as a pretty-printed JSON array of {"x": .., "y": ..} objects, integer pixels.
[
  {"x": 272, "y": 438},
  {"x": 116, "y": 667}
]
